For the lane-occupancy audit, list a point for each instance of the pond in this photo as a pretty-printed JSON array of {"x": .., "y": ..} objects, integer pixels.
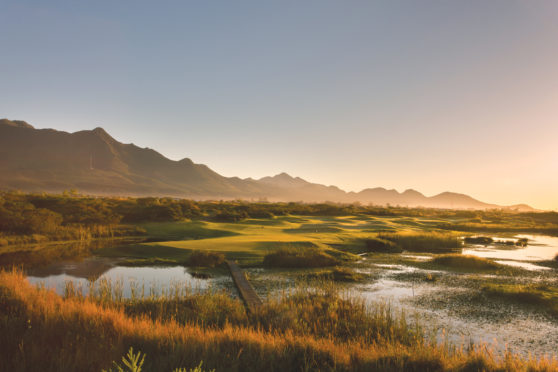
[
  {"x": 445, "y": 309},
  {"x": 539, "y": 248},
  {"x": 146, "y": 280}
]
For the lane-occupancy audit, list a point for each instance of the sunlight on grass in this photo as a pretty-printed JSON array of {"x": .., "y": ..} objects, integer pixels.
[{"x": 316, "y": 328}]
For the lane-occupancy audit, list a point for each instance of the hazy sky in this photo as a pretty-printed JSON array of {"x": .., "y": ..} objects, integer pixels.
[{"x": 431, "y": 95}]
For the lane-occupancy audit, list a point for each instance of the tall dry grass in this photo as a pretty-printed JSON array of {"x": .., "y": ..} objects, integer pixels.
[{"x": 40, "y": 330}]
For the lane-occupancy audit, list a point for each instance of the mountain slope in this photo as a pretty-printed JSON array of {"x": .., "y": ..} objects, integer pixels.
[{"x": 94, "y": 162}]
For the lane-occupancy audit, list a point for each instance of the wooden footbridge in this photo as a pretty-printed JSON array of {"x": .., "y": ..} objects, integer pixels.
[{"x": 247, "y": 292}]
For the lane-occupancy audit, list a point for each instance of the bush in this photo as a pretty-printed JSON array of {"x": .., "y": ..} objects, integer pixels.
[
  {"x": 381, "y": 246},
  {"x": 205, "y": 259},
  {"x": 339, "y": 274},
  {"x": 299, "y": 257},
  {"x": 480, "y": 240},
  {"x": 424, "y": 242}
]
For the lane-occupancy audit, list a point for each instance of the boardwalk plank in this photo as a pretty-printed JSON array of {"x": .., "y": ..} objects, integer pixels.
[{"x": 247, "y": 292}]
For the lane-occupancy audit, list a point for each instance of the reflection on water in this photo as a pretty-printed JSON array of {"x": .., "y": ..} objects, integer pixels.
[
  {"x": 539, "y": 248},
  {"x": 36, "y": 255},
  {"x": 149, "y": 280},
  {"x": 399, "y": 293}
]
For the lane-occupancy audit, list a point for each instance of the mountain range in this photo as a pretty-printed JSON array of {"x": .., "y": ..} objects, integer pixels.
[{"x": 93, "y": 162}]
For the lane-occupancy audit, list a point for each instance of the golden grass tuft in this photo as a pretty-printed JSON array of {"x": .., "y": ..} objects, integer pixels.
[{"x": 469, "y": 262}]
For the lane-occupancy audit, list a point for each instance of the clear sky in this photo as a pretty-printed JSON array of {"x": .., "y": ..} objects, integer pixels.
[{"x": 431, "y": 95}]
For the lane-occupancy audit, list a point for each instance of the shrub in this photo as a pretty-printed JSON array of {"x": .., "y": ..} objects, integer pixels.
[
  {"x": 382, "y": 246},
  {"x": 299, "y": 257},
  {"x": 205, "y": 259},
  {"x": 481, "y": 240},
  {"x": 424, "y": 242},
  {"x": 340, "y": 274}
]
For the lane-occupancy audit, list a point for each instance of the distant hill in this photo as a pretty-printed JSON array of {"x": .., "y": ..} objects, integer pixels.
[{"x": 93, "y": 162}]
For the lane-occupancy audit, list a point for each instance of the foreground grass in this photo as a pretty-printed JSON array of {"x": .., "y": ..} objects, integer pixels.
[{"x": 306, "y": 331}]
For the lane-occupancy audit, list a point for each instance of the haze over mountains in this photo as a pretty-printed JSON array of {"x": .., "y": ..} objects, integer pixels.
[{"x": 93, "y": 162}]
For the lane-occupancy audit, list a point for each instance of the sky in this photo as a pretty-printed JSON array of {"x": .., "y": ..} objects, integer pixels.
[{"x": 432, "y": 95}]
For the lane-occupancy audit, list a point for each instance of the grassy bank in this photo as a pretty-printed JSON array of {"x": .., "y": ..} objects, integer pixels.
[
  {"x": 432, "y": 242},
  {"x": 299, "y": 257},
  {"x": 466, "y": 262},
  {"x": 338, "y": 274},
  {"x": 306, "y": 331}
]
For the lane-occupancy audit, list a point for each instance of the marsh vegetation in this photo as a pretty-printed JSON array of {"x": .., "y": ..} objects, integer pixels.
[
  {"x": 383, "y": 261},
  {"x": 318, "y": 328}
]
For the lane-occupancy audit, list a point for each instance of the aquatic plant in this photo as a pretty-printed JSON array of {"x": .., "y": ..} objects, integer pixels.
[
  {"x": 379, "y": 245},
  {"x": 465, "y": 262}
]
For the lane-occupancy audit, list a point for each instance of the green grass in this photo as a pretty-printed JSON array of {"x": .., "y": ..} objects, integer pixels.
[
  {"x": 314, "y": 229},
  {"x": 248, "y": 241},
  {"x": 183, "y": 230}
]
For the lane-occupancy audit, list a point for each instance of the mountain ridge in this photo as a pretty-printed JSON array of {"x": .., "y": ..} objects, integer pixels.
[{"x": 92, "y": 161}]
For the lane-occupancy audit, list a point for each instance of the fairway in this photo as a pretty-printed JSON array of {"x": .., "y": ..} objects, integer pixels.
[{"x": 248, "y": 241}]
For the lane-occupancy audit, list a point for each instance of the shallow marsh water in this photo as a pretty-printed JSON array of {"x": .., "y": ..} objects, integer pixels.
[
  {"x": 148, "y": 280},
  {"x": 453, "y": 313},
  {"x": 539, "y": 248}
]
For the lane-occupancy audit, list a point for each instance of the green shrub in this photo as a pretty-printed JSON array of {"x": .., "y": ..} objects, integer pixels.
[
  {"x": 480, "y": 240},
  {"x": 424, "y": 242},
  {"x": 205, "y": 259},
  {"x": 299, "y": 257},
  {"x": 340, "y": 274},
  {"x": 381, "y": 246}
]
